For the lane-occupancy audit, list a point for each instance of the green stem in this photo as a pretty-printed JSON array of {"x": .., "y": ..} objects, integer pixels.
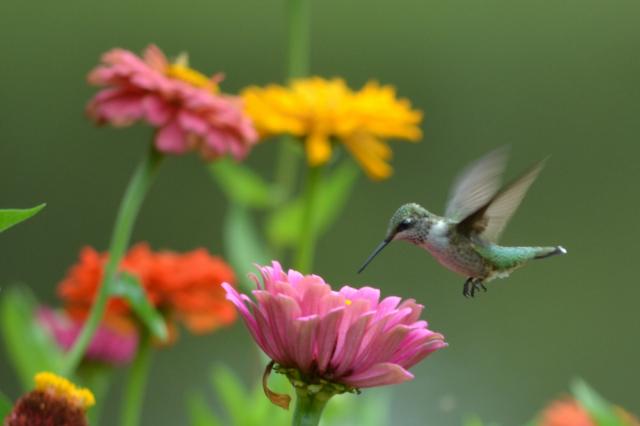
[
  {"x": 129, "y": 208},
  {"x": 298, "y": 37},
  {"x": 309, "y": 407},
  {"x": 134, "y": 391},
  {"x": 298, "y": 48},
  {"x": 307, "y": 242}
]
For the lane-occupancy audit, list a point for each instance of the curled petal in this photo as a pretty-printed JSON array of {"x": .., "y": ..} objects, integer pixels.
[{"x": 279, "y": 399}]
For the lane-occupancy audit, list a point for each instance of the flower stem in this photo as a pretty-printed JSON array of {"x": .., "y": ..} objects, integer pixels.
[
  {"x": 307, "y": 242},
  {"x": 134, "y": 391},
  {"x": 298, "y": 37},
  {"x": 298, "y": 48},
  {"x": 309, "y": 407},
  {"x": 128, "y": 211}
]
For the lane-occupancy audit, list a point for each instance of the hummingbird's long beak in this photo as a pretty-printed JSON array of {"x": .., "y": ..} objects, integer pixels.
[{"x": 378, "y": 249}]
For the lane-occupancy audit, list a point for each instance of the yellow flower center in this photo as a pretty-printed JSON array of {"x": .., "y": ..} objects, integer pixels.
[
  {"x": 347, "y": 302},
  {"x": 180, "y": 70},
  {"x": 62, "y": 388}
]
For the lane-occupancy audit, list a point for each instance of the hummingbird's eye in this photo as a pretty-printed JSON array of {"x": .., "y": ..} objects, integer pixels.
[{"x": 405, "y": 224}]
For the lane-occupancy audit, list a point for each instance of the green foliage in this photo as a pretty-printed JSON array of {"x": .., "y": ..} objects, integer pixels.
[
  {"x": 371, "y": 408},
  {"x": 284, "y": 225},
  {"x": 230, "y": 390},
  {"x": 250, "y": 407},
  {"x": 11, "y": 217},
  {"x": 96, "y": 376},
  {"x": 242, "y": 407},
  {"x": 599, "y": 409},
  {"x": 243, "y": 246},
  {"x": 199, "y": 412},
  {"x": 29, "y": 347},
  {"x": 5, "y": 405},
  {"x": 129, "y": 287},
  {"x": 475, "y": 421},
  {"x": 241, "y": 184}
]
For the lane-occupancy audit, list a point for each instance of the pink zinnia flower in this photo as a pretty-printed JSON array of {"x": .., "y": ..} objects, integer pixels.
[
  {"x": 181, "y": 103},
  {"x": 348, "y": 337},
  {"x": 115, "y": 342}
]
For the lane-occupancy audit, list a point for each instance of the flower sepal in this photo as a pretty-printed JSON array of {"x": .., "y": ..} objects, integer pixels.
[
  {"x": 314, "y": 386},
  {"x": 312, "y": 395}
]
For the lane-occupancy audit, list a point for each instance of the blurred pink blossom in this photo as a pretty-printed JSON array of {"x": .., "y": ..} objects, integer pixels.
[
  {"x": 349, "y": 336},
  {"x": 184, "y": 105},
  {"x": 115, "y": 342}
]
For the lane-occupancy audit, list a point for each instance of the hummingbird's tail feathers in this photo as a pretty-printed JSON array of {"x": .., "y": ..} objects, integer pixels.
[{"x": 545, "y": 252}]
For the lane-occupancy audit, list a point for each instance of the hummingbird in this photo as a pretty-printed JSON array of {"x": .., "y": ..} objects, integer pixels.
[{"x": 465, "y": 239}]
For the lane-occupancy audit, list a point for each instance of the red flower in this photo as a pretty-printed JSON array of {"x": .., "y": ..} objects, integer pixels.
[{"x": 184, "y": 287}]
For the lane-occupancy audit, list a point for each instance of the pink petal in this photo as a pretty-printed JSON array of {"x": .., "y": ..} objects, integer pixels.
[
  {"x": 416, "y": 310},
  {"x": 236, "y": 298},
  {"x": 157, "y": 111},
  {"x": 367, "y": 293},
  {"x": 154, "y": 57},
  {"x": 382, "y": 348},
  {"x": 386, "y": 305},
  {"x": 313, "y": 291},
  {"x": 343, "y": 359},
  {"x": 306, "y": 329},
  {"x": 171, "y": 139},
  {"x": 120, "y": 108},
  {"x": 385, "y": 373},
  {"x": 192, "y": 122},
  {"x": 412, "y": 353},
  {"x": 273, "y": 347},
  {"x": 327, "y": 337}
]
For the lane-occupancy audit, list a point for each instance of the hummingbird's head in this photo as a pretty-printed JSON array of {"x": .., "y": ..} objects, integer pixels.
[{"x": 404, "y": 225}]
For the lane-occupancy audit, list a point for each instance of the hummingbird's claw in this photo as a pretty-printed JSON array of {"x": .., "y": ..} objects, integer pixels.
[
  {"x": 471, "y": 286},
  {"x": 467, "y": 288}
]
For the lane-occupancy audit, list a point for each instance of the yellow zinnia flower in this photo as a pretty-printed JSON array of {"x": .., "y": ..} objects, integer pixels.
[
  {"x": 321, "y": 111},
  {"x": 53, "y": 401}
]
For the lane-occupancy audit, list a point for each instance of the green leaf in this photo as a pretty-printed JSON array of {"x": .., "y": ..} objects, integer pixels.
[
  {"x": 199, "y": 412},
  {"x": 232, "y": 394},
  {"x": 598, "y": 408},
  {"x": 372, "y": 408},
  {"x": 5, "y": 406},
  {"x": 243, "y": 246},
  {"x": 128, "y": 287},
  {"x": 283, "y": 227},
  {"x": 11, "y": 217},
  {"x": 29, "y": 346},
  {"x": 241, "y": 184},
  {"x": 242, "y": 406}
]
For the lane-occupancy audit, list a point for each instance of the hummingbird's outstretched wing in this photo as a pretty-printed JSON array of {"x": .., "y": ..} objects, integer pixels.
[
  {"x": 476, "y": 184},
  {"x": 490, "y": 219}
]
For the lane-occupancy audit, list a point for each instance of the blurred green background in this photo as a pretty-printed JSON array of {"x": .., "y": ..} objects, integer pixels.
[{"x": 547, "y": 77}]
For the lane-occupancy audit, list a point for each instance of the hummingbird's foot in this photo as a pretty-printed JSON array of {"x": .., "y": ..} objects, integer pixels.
[
  {"x": 471, "y": 286},
  {"x": 467, "y": 289}
]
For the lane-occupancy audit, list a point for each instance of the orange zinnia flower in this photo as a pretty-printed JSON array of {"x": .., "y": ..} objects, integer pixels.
[
  {"x": 566, "y": 412},
  {"x": 186, "y": 287}
]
